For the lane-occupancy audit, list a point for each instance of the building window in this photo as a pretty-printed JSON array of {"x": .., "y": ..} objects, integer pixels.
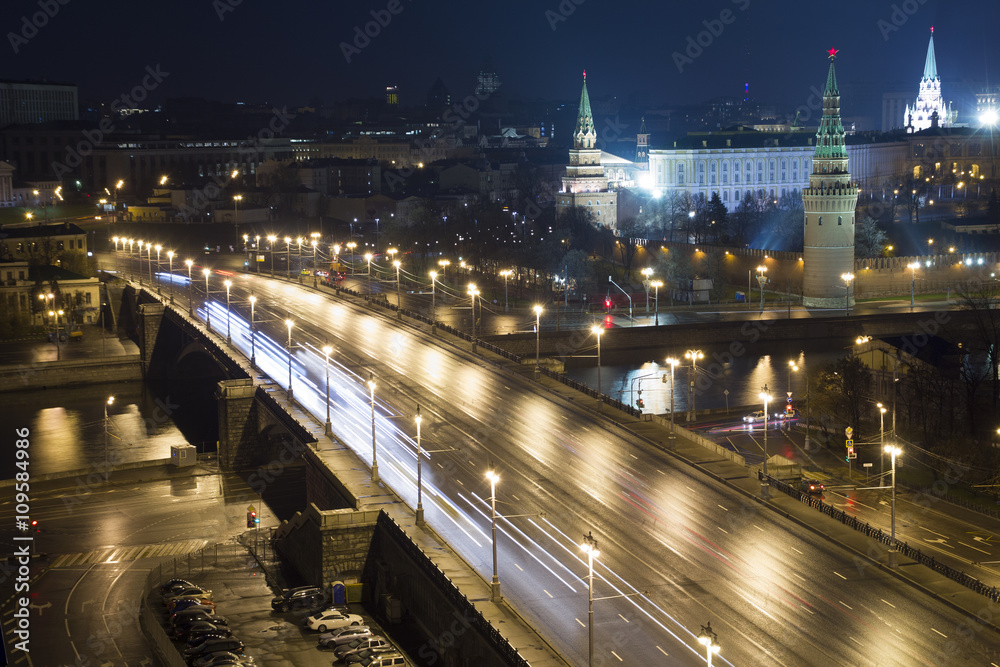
[
  {"x": 784, "y": 170},
  {"x": 701, "y": 173},
  {"x": 725, "y": 173},
  {"x": 760, "y": 171},
  {"x": 795, "y": 170},
  {"x": 725, "y": 195},
  {"x": 86, "y": 298},
  {"x": 770, "y": 170},
  {"x": 820, "y": 221},
  {"x": 840, "y": 220},
  {"x": 680, "y": 173},
  {"x": 713, "y": 173}
]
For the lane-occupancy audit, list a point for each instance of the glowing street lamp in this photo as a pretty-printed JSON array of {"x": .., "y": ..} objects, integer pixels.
[
  {"x": 761, "y": 280},
  {"x": 289, "y": 323},
  {"x": 589, "y": 546},
  {"x": 765, "y": 396},
  {"x": 371, "y": 388},
  {"x": 158, "y": 248},
  {"x": 506, "y": 273},
  {"x": 709, "y": 640},
  {"x": 208, "y": 300},
  {"x": 271, "y": 239},
  {"x": 495, "y": 583},
  {"x": 326, "y": 354},
  {"x": 847, "y": 278},
  {"x": 189, "y": 263},
  {"x": 473, "y": 293},
  {"x": 399, "y": 303},
  {"x": 314, "y": 242},
  {"x": 893, "y": 451},
  {"x": 368, "y": 258},
  {"x": 792, "y": 366},
  {"x": 656, "y": 285},
  {"x": 597, "y": 331},
  {"x": 444, "y": 264},
  {"x": 253, "y": 333},
  {"x": 538, "y": 339},
  {"x": 434, "y": 276},
  {"x": 694, "y": 356},
  {"x": 646, "y": 275},
  {"x": 229, "y": 339},
  {"x": 288, "y": 256},
  {"x": 170, "y": 266},
  {"x": 107, "y": 468},
  {"x": 672, "y": 362},
  {"x": 913, "y": 266},
  {"x": 420, "y": 487},
  {"x": 351, "y": 245}
]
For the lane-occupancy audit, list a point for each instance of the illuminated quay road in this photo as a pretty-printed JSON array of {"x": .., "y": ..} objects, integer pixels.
[{"x": 774, "y": 592}]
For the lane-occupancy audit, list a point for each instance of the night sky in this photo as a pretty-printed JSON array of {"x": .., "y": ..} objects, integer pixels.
[{"x": 289, "y": 52}]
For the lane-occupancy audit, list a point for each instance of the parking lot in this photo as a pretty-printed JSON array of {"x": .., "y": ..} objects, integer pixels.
[{"x": 239, "y": 589}]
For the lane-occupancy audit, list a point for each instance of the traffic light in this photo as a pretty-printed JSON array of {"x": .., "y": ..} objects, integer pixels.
[
  {"x": 252, "y": 519},
  {"x": 639, "y": 403},
  {"x": 607, "y": 303}
]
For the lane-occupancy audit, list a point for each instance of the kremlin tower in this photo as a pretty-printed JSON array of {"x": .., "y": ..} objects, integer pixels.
[
  {"x": 584, "y": 184},
  {"x": 829, "y": 203},
  {"x": 929, "y": 101}
]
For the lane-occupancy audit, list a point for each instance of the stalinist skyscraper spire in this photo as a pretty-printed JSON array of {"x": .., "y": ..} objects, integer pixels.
[
  {"x": 929, "y": 100},
  {"x": 829, "y": 203}
]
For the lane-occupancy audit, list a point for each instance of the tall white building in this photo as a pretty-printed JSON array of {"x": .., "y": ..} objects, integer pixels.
[
  {"x": 585, "y": 184},
  {"x": 929, "y": 101},
  {"x": 829, "y": 202}
]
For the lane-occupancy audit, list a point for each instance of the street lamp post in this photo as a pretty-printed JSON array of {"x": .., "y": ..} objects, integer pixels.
[
  {"x": 158, "y": 248},
  {"x": 672, "y": 362},
  {"x": 590, "y": 547},
  {"x": 765, "y": 396},
  {"x": 371, "y": 388},
  {"x": 893, "y": 452},
  {"x": 694, "y": 356},
  {"x": 289, "y": 323},
  {"x": 368, "y": 258},
  {"x": 847, "y": 278},
  {"x": 229, "y": 338},
  {"x": 399, "y": 303},
  {"x": 170, "y": 266},
  {"x": 288, "y": 256},
  {"x": 189, "y": 263},
  {"x": 149, "y": 259},
  {"x": 538, "y": 340},
  {"x": 253, "y": 333},
  {"x": 326, "y": 354},
  {"x": 434, "y": 276},
  {"x": 495, "y": 584},
  {"x": 792, "y": 366},
  {"x": 107, "y": 468},
  {"x": 420, "y": 486},
  {"x": 597, "y": 331},
  {"x": 881, "y": 438},
  {"x": 912, "y": 266},
  {"x": 506, "y": 274},
  {"x": 761, "y": 270},
  {"x": 208, "y": 301},
  {"x": 351, "y": 245},
  {"x": 473, "y": 293},
  {"x": 256, "y": 254},
  {"x": 646, "y": 273},
  {"x": 314, "y": 242},
  {"x": 272, "y": 239},
  {"x": 656, "y": 284},
  {"x": 708, "y": 639},
  {"x": 58, "y": 315}
]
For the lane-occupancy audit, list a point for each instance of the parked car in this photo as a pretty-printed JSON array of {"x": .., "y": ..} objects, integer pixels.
[
  {"x": 344, "y": 636},
  {"x": 383, "y": 660},
  {"x": 186, "y": 631},
  {"x": 213, "y": 646},
  {"x": 194, "y": 615},
  {"x": 189, "y": 592},
  {"x": 331, "y": 619},
  {"x": 811, "y": 486},
  {"x": 362, "y": 644},
  {"x": 299, "y": 598},
  {"x": 200, "y": 631},
  {"x": 367, "y": 656},
  {"x": 220, "y": 658},
  {"x": 180, "y": 604},
  {"x": 170, "y": 584},
  {"x": 195, "y": 642}
]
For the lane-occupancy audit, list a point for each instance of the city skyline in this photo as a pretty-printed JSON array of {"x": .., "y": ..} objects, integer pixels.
[{"x": 234, "y": 51}]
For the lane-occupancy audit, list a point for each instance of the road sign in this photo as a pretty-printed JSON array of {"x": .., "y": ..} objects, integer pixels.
[
  {"x": 251, "y": 508},
  {"x": 849, "y": 443},
  {"x": 866, "y": 465},
  {"x": 849, "y": 431}
]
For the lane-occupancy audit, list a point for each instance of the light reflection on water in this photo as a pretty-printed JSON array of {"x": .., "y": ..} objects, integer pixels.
[{"x": 67, "y": 427}]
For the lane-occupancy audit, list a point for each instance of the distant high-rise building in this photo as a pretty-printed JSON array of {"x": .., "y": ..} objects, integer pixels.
[
  {"x": 929, "y": 100},
  {"x": 829, "y": 204},
  {"x": 487, "y": 81},
  {"x": 585, "y": 184},
  {"x": 30, "y": 102},
  {"x": 392, "y": 95},
  {"x": 438, "y": 96}
]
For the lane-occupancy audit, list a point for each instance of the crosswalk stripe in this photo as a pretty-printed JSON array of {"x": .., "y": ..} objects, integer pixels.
[{"x": 126, "y": 554}]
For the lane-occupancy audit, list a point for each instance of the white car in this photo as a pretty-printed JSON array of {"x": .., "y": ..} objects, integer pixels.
[{"x": 331, "y": 619}]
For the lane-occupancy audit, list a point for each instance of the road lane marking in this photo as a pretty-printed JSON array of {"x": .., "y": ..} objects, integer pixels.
[
  {"x": 976, "y": 548},
  {"x": 460, "y": 482},
  {"x": 888, "y": 603},
  {"x": 940, "y": 633},
  {"x": 855, "y": 641},
  {"x": 723, "y": 529},
  {"x": 660, "y": 471},
  {"x": 515, "y": 497},
  {"x": 633, "y": 456},
  {"x": 623, "y": 618},
  {"x": 691, "y": 490},
  {"x": 758, "y": 528},
  {"x": 798, "y": 575},
  {"x": 546, "y": 592},
  {"x": 931, "y": 531},
  {"x": 796, "y": 551},
  {"x": 840, "y": 575},
  {"x": 808, "y": 609},
  {"x": 519, "y": 567},
  {"x": 661, "y": 651},
  {"x": 580, "y": 622},
  {"x": 721, "y": 506},
  {"x": 846, "y": 605}
]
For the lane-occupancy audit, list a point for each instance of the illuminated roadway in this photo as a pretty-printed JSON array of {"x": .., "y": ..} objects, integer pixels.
[{"x": 774, "y": 592}]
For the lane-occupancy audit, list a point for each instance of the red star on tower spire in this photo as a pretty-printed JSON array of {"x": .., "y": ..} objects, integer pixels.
[
  {"x": 584, "y": 75},
  {"x": 833, "y": 53}
]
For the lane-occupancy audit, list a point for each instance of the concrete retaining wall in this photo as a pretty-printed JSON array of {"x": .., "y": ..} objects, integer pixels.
[{"x": 69, "y": 373}]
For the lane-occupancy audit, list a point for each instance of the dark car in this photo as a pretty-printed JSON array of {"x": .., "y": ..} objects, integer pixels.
[
  {"x": 344, "y": 636},
  {"x": 303, "y": 597},
  {"x": 367, "y": 655},
  {"x": 171, "y": 584},
  {"x": 186, "y": 631},
  {"x": 195, "y": 642},
  {"x": 220, "y": 658},
  {"x": 200, "y": 631},
  {"x": 213, "y": 646},
  {"x": 374, "y": 643},
  {"x": 194, "y": 615},
  {"x": 181, "y": 604},
  {"x": 811, "y": 486}
]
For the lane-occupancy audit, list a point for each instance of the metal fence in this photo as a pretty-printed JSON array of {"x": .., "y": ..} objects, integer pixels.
[
  {"x": 879, "y": 535},
  {"x": 462, "y": 604}
]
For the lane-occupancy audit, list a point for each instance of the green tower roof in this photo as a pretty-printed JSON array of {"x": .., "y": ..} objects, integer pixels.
[
  {"x": 585, "y": 118},
  {"x": 930, "y": 65},
  {"x": 830, "y": 136}
]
